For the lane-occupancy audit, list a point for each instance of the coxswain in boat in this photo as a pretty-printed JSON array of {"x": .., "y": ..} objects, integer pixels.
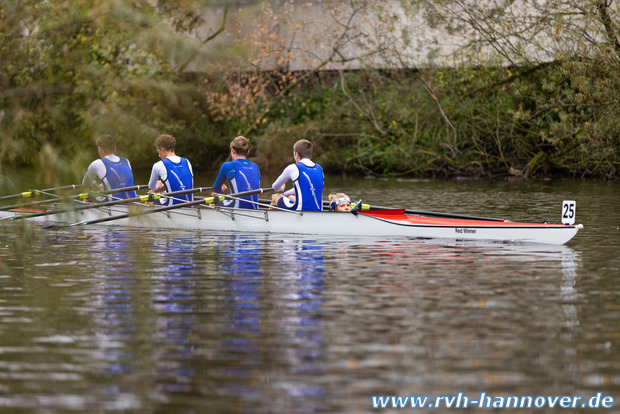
[
  {"x": 308, "y": 181},
  {"x": 172, "y": 173},
  {"x": 339, "y": 202},
  {"x": 110, "y": 171},
  {"x": 241, "y": 175}
]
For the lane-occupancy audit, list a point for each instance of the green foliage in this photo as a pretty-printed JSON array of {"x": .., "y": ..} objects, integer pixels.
[
  {"x": 72, "y": 70},
  {"x": 486, "y": 121}
]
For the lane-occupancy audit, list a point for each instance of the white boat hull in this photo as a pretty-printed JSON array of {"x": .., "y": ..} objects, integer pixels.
[{"x": 322, "y": 224}]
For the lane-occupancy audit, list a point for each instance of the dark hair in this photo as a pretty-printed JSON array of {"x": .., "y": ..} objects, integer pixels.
[
  {"x": 241, "y": 145},
  {"x": 107, "y": 143},
  {"x": 167, "y": 142},
  {"x": 304, "y": 148}
]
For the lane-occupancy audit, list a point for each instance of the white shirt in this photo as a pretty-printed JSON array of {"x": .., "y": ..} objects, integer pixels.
[
  {"x": 291, "y": 172},
  {"x": 159, "y": 171},
  {"x": 97, "y": 169}
]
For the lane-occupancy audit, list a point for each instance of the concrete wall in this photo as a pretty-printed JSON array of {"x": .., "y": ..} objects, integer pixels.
[
  {"x": 350, "y": 34},
  {"x": 331, "y": 34}
]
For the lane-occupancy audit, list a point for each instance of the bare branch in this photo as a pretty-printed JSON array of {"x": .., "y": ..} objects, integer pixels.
[{"x": 610, "y": 30}]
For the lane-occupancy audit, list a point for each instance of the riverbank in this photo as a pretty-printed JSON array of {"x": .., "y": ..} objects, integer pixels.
[
  {"x": 492, "y": 122},
  {"x": 497, "y": 123},
  {"x": 514, "y": 100}
]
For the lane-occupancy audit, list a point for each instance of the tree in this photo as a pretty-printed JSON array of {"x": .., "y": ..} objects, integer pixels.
[
  {"x": 431, "y": 86},
  {"x": 72, "y": 70},
  {"x": 560, "y": 61}
]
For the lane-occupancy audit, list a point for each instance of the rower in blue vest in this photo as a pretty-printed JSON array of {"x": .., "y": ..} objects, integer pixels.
[
  {"x": 172, "y": 173},
  {"x": 308, "y": 181},
  {"x": 110, "y": 171},
  {"x": 241, "y": 174}
]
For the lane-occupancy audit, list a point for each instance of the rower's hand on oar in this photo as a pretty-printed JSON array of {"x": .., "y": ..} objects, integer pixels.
[
  {"x": 275, "y": 198},
  {"x": 151, "y": 199},
  {"x": 90, "y": 196},
  {"x": 213, "y": 194}
]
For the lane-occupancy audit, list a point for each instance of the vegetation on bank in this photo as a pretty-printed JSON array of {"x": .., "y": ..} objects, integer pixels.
[
  {"x": 74, "y": 70},
  {"x": 491, "y": 122}
]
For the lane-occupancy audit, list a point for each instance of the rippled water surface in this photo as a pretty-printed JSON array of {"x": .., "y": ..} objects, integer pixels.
[{"x": 104, "y": 319}]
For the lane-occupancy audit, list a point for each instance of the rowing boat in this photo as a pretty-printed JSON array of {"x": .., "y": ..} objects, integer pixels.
[{"x": 373, "y": 222}]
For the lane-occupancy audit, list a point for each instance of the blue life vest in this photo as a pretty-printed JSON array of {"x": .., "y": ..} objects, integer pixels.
[
  {"x": 118, "y": 175},
  {"x": 246, "y": 177},
  {"x": 179, "y": 178},
  {"x": 309, "y": 188}
]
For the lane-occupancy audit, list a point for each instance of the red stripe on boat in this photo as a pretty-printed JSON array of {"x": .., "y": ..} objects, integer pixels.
[{"x": 398, "y": 216}]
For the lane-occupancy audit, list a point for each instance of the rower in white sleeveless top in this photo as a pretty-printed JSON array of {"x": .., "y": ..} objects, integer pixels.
[{"x": 110, "y": 171}]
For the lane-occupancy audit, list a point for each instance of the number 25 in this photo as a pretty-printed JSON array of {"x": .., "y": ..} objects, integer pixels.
[{"x": 568, "y": 211}]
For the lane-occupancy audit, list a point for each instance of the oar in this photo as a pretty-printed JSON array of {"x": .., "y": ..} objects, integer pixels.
[
  {"x": 81, "y": 196},
  {"x": 209, "y": 200},
  {"x": 34, "y": 193},
  {"x": 144, "y": 198}
]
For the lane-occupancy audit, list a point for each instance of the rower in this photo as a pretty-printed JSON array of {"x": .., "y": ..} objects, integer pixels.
[
  {"x": 172, "y": 173},
  {"x": 241, "y": 174},
  {"x": 308, "y": 181},
  {"x": 110, "y": 171}
]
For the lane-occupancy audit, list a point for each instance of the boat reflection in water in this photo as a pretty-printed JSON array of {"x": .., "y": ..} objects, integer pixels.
[
  {"x": 299, "y": 285},
  {"x": 209, "y": 316},
  {"x": 270, "y": 324},
  {"x": 145, "y": 307},
  {"x": 175, "y": 304},
  {"x": 177, "y": 321},
  {"x": 474, "y": 314},
  {"x": 114, "y": 287}
]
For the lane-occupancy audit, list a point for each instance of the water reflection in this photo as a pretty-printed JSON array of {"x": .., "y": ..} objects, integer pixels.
[
  {"x": 240, "y": 325},
  {"x": 458, "y": 311},
  {"x": 145, "y": 293},
  {"x": 241, "y": 262},
  {"x": 300, "y": 281},
  {"x": 173, "y": 286},
  {"x": 176, "y": 322},
  {"x": 273, "y": 309},
  {"x": 569, "y": 293},
  {"x": 113, "y": 323}
]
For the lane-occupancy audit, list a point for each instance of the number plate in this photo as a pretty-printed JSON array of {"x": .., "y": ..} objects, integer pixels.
[{"x": 568, "y": 211}]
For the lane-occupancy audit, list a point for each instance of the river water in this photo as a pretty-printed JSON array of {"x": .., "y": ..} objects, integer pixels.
[{"x": 110, "y": 319}]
